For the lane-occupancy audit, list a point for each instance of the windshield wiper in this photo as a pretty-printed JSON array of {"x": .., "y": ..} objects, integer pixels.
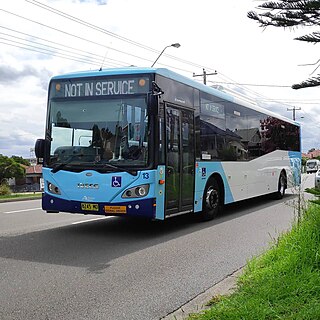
[
  {"x": 132, "y": 172},
  {"x": 63, "y": 164},
  {"x": 95, "y": 164}
]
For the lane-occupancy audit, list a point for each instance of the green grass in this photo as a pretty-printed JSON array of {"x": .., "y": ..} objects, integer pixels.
[
  {"x": 283, "y": 283},
  {"x": 16, "y": 196}
]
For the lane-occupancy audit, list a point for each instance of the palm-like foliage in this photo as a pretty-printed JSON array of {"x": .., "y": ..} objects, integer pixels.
[{"x": 292, "y": 13}]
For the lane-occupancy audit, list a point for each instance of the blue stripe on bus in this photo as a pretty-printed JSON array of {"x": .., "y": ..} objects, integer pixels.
[
  {"x": 160, "y": 192},
  {"x": 204, "y": 170},
  {"x": 295, "y": 164}
]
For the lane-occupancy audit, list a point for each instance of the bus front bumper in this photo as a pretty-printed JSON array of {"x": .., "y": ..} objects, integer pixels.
[{"x": 138, "y": 208}]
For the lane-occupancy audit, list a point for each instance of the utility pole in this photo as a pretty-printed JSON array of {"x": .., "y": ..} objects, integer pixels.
[
  {"x": 293, "y": 112},
  {"x": 204, "y": 75}
]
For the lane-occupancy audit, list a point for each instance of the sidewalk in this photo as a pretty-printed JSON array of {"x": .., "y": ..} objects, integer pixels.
[{"x": 198, "y": 304}]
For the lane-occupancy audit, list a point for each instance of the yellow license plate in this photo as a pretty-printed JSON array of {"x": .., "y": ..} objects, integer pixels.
[
  {"x": 89, "y": 207},
  {"x": 115, "y": 209}
]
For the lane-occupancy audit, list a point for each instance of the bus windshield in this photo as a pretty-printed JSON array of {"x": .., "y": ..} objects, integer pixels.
[{"x": 91, "y": 132}]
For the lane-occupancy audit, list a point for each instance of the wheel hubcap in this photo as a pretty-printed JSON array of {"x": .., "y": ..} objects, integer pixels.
[
  {"x": 282, "y": 184},
  {"x": 212, "y": 198}
]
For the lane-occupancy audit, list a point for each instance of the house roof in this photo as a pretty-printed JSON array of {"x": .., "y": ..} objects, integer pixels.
[
  {"x": 37, "y": 169},
  {"x": 312, "y": 154}
]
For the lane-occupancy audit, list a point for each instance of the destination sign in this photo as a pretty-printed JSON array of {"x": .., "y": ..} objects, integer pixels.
[
  {"x": 98, "y": 87},
  {"x": 212, "y": 109}
]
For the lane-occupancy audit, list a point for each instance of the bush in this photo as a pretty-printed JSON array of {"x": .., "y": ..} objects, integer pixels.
[{"x": 4, "y": 190}]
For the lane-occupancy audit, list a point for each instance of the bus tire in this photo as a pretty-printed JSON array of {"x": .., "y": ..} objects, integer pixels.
[
  {"x": 282, "y": 185},
  {"x": 212, "y": 200}
]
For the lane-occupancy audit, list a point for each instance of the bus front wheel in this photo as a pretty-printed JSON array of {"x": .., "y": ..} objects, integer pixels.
[
  {"x": 282, "y": 185},
  {"x": 211, "y": 201}
]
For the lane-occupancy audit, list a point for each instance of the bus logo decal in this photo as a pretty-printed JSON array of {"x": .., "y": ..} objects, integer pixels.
[
  {"x": 88, "y": 185},
  {"x": 116, "y": 182}
]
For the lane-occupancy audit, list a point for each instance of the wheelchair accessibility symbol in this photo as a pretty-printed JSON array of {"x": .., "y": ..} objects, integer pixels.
[{"x": 116, "y": 182}]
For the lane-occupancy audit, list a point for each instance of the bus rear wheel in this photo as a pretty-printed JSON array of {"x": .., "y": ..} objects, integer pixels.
[{"x": 211, "y": 201}]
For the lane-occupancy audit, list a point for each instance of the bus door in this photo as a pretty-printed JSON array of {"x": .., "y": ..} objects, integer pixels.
[{"x": 180, "y": 160}]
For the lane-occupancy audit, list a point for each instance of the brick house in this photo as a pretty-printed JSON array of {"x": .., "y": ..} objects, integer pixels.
[
  {"x": 312, "y": 154},
  {"x": 33, "y": 176}
]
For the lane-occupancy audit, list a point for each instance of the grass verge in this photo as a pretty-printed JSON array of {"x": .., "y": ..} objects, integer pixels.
[
  {"x": 283, "y": 283},
  {"x": 21, "y": 196}
]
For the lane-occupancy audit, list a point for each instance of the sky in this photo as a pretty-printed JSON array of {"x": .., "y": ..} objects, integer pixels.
[{"x": 43, "y": 38}]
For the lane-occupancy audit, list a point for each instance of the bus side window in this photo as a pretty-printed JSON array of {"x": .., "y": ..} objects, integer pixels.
[{"x": 212, "y": 128}]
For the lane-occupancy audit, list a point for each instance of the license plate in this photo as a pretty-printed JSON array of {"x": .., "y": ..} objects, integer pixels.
[
  {"x": 115, "y": 209},
  {"x": 89, "y": 207}
]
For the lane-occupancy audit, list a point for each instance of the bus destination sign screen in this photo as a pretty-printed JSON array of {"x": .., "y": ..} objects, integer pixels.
[{"x": 98, "y": 87}]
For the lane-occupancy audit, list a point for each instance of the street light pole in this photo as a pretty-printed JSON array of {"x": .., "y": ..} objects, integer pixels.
[{"x": 175, "y": 45}]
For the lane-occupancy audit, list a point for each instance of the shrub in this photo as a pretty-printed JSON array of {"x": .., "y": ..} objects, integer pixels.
[{"x": 4, "y": 189}]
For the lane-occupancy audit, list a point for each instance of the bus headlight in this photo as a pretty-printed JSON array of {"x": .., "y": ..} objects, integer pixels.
[
  {"x": 53, "y": 188},
  {"x": 136, "y": 192}
]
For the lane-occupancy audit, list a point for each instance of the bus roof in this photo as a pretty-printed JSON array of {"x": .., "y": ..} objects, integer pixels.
[{"x": 175, "y": 76}]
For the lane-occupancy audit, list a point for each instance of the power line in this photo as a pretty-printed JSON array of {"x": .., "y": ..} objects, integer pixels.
[
  {"x": 256, "y": 94},
  {"x": 89, "y": 25},
  {"x": 281, "y": 101},
  {"x": 254, "y": 84},
  {"x": 317, "y": 102},
  {"x": 239, "y": 86},
  {"x": 112, "y": 34},
  {"x": 300, "y": 100},
  {"x": 75, "y": 36},
  {"x": 90, "y": 41},
  {"x": 48, "y": 49},
  {"x": 49, "y": 53},
  {"x": 96, "y": 56},
  {"x": 74, "y": 19},
  {"x": 91, "y": 60}
]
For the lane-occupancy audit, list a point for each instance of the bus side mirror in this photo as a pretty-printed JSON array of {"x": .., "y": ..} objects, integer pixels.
[
  {"x": 152, "y": 104},
  {"x": 39, "y": 149},
  {"x": 153, "y": 98}
]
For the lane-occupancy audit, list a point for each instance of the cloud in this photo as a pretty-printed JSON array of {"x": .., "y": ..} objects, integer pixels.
[{"x": 10, "y": 75}]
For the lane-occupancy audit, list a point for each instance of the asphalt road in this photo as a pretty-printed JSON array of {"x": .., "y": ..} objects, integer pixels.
[{"x": 64, "y": 266}]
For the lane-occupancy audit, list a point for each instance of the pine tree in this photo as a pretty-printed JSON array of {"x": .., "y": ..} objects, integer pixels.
[{"x": 289, "y": 14}]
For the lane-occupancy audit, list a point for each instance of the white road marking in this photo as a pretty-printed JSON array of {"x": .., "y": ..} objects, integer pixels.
[
  {"x": 94, "y": 219},
  {"x": 24, "y": 210}
]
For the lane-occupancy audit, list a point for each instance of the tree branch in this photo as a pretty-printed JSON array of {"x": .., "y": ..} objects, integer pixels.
[
  {"x": 312, "y": 82},
  {"x": 313, "y": 37},
  {"x": 292, "y": 13}
]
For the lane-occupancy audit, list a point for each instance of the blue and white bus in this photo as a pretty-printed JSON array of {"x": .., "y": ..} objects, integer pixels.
[{"x": 148, "y": 142}]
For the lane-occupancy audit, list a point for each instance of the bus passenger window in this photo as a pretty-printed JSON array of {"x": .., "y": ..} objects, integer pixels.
[{"x": 212, "y": 129}]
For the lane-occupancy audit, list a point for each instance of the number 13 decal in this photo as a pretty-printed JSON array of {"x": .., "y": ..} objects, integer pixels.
[{"x": 145, "y": 175}]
